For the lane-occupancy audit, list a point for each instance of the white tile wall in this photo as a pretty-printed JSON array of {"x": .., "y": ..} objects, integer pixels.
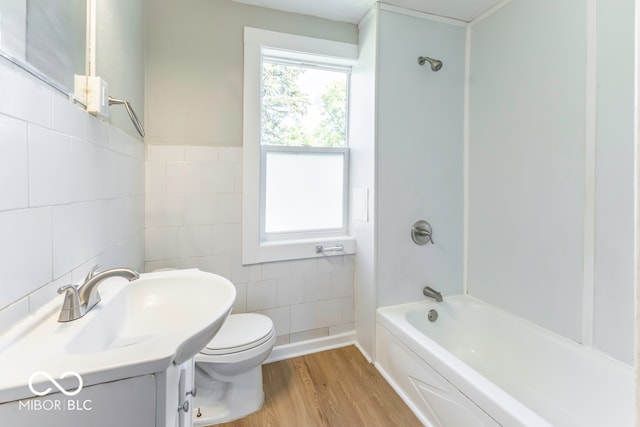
[
  {"x": 71, "y": 195},
  {"x": 194, "y": 219}
]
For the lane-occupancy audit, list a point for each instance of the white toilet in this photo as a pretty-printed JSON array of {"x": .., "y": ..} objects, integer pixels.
[{"x": 228, "y": 371}]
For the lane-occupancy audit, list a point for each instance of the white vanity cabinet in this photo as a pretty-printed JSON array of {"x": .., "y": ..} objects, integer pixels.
[{"x": 163, "y": 399}]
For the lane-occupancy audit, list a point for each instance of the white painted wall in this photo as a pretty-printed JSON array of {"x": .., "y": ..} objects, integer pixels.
[
  {"x": 71, "y": 195},
  {"x": 419, "y": 162},
  {"x": 362, "y": 179},
  {"x": 537, "y": 246},
  {"x": 195, "y": 65}
]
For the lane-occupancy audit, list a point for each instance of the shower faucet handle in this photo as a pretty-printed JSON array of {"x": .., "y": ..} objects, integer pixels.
[{"x": 422, "y": 233}]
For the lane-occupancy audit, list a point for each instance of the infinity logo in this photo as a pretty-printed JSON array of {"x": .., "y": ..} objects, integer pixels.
[{"x": 54, "y": 382}]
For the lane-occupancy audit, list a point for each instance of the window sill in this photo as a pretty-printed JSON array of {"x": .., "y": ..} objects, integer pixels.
[{"x": 288, "y": 250}]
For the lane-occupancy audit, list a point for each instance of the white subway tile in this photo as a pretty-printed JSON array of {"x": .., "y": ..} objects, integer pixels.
[
  {"x": 25, "y": 252},
  {"x": 303, "y": 317},
  {"x": 255, "y": 272},
  {"x": 230, "y": 154},
  {"x": 303, "y": 267},
  {"x": 237, "y": 178},
  {"x": 317, "y": 287},
  {"x": 47, "y": 293},
  {"x": 78, "y": 234},
  {"x": 341, "y": 283},
  {"x": 195, "y": 241},
  {"x": 201, "y": 154},
  {"x": 155, "y": 177},
  {"x": 97, "y": 131},
  {"x": 184, "y": 177},
  {"x": 340, "y": 329},
  {"x": 14, "y": 164},
  {"x": 51, "y": 179},
  {"x": 328, "y": 313},
  {"x": 309, "y": 335},
  {"x": 164, "y": 210},
  {"x": 348, "y": 309},
  {"x": 240, "y": 305},
  {"x": 227, "y": 239},
  {"x": 156, "y": 153},
  {"x": 239, "y": 272},
  {"x": 274, "y": 270},
  {"x": 200, "y": 209},
  {"x": 24, "y": 99},
  {"x": 290, "y": 290},
  {"x": 161, "y": 243},
  {"x": 85, "y": 170},
  {"x": 282, "y": 339},
  {"x": 261, "y": 295},
  {"x": 13, "y": 314},
  {"x": 123, "y": 143},
  {"x": 230, "y": 208},
  {"x": 69, "y": 118},
  {"x": 116, "y": 174},
  {"x": 218, "y": 177},
  {"x": 280, "y": 318},
  {"x": 330, "y": 263},
  {"x": 218, "y": 264}
]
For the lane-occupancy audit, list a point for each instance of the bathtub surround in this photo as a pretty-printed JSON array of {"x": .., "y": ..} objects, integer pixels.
[
  {"x": 193, "y": 219},
  {"x": 406, "y": 134},
  {"x": 72, "y": 194},
  {"x": 550, "y": 178}
]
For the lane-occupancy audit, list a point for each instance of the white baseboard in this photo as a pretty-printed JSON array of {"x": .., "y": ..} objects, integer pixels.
[{"x": 287, "y": 351}]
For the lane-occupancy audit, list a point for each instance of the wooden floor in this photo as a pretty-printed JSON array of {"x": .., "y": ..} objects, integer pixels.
[{"x": 333, "y": 388}]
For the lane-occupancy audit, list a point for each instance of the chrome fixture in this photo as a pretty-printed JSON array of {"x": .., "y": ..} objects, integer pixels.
[
  {"x": 432, "y": 315},
  {"x": 436, "y": 64},
  {"x": 79, "y": 300},
  {"x": 432, "y": 293},
  {"x": 422, "y": 233},
  {"x": 337, "y": 248},
  {"x": 132, "y": 114}
]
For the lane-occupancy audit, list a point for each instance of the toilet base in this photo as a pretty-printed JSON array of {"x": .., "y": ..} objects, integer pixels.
[{"x": 219, "y": 401}]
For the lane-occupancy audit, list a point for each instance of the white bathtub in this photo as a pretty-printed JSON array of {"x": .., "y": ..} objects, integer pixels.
[{"x": 480, "y": 366}]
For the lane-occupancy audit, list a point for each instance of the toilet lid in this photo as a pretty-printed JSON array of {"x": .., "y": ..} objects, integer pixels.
[{"x": 240, "y": 332}]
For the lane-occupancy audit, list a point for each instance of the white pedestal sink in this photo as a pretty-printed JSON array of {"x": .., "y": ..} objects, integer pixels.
[{"x": 139, "y": 328}]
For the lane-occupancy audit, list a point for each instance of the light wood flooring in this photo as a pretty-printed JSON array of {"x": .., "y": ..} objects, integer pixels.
[{"x": 333, "y": 388}]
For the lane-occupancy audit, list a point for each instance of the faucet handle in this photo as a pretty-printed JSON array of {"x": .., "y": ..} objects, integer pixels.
[
  {"x": 92, "y": 273},
  {"x": 71, "y": 308}
]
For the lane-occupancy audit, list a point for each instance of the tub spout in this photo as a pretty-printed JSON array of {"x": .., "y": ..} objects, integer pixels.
[{"x": 432, "y": 293}]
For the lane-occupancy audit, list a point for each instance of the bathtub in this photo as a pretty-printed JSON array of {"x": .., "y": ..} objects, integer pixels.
[{"x": 477, "y": 365}]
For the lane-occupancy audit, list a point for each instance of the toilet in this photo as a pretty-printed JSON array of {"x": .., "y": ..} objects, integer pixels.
[{"x": 228, "y": 371}]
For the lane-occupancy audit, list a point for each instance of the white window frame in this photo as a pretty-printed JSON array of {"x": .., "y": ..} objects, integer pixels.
[{"x": 259, "y": 43}]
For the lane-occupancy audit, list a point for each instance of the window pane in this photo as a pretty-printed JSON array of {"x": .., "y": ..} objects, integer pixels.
[
  {"x": 303, "y": 106},
  {"x": 304, "y": 191}
]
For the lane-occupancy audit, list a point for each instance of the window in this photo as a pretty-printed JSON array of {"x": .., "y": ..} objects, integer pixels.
[{"x": 296, "y": 156}]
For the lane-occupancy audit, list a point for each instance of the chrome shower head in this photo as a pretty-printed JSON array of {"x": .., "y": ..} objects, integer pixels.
[{"x": 435, "y": 64}]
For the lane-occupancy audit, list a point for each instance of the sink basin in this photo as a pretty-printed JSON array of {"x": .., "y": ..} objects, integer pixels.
[
  {"x": 139, "y": 327},
  {"x": 188, "y": 304}
]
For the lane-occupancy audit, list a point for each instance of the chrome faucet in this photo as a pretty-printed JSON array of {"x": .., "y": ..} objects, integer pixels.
[
  {"x": 79, "y": 300},
  {"x": 432, "y": 293}
]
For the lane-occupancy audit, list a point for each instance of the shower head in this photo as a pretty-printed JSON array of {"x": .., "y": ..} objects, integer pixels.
[{"x": 435, "y": 64}]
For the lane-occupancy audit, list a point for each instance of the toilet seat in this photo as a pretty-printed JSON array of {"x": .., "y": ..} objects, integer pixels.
[{"x": 240, "y": 332}]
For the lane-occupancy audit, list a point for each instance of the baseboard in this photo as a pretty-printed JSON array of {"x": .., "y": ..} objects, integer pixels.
[{"x": 287, "y": 351}]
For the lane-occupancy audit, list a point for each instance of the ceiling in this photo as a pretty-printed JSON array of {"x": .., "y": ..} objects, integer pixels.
[{"x": 354, "y": 10}]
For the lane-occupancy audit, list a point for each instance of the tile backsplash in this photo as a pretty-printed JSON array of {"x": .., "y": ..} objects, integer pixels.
[
  {"x": 71, "y": 194},
  {"x": 194, "y": 219}
]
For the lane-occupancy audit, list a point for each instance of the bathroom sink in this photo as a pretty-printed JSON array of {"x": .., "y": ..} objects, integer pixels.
[
  {"x": 187, "y": 305},
  {"x": 138, "y": 328}
]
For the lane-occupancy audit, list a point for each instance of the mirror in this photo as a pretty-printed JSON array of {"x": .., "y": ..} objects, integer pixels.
[{"x": 46, "y": 38}]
